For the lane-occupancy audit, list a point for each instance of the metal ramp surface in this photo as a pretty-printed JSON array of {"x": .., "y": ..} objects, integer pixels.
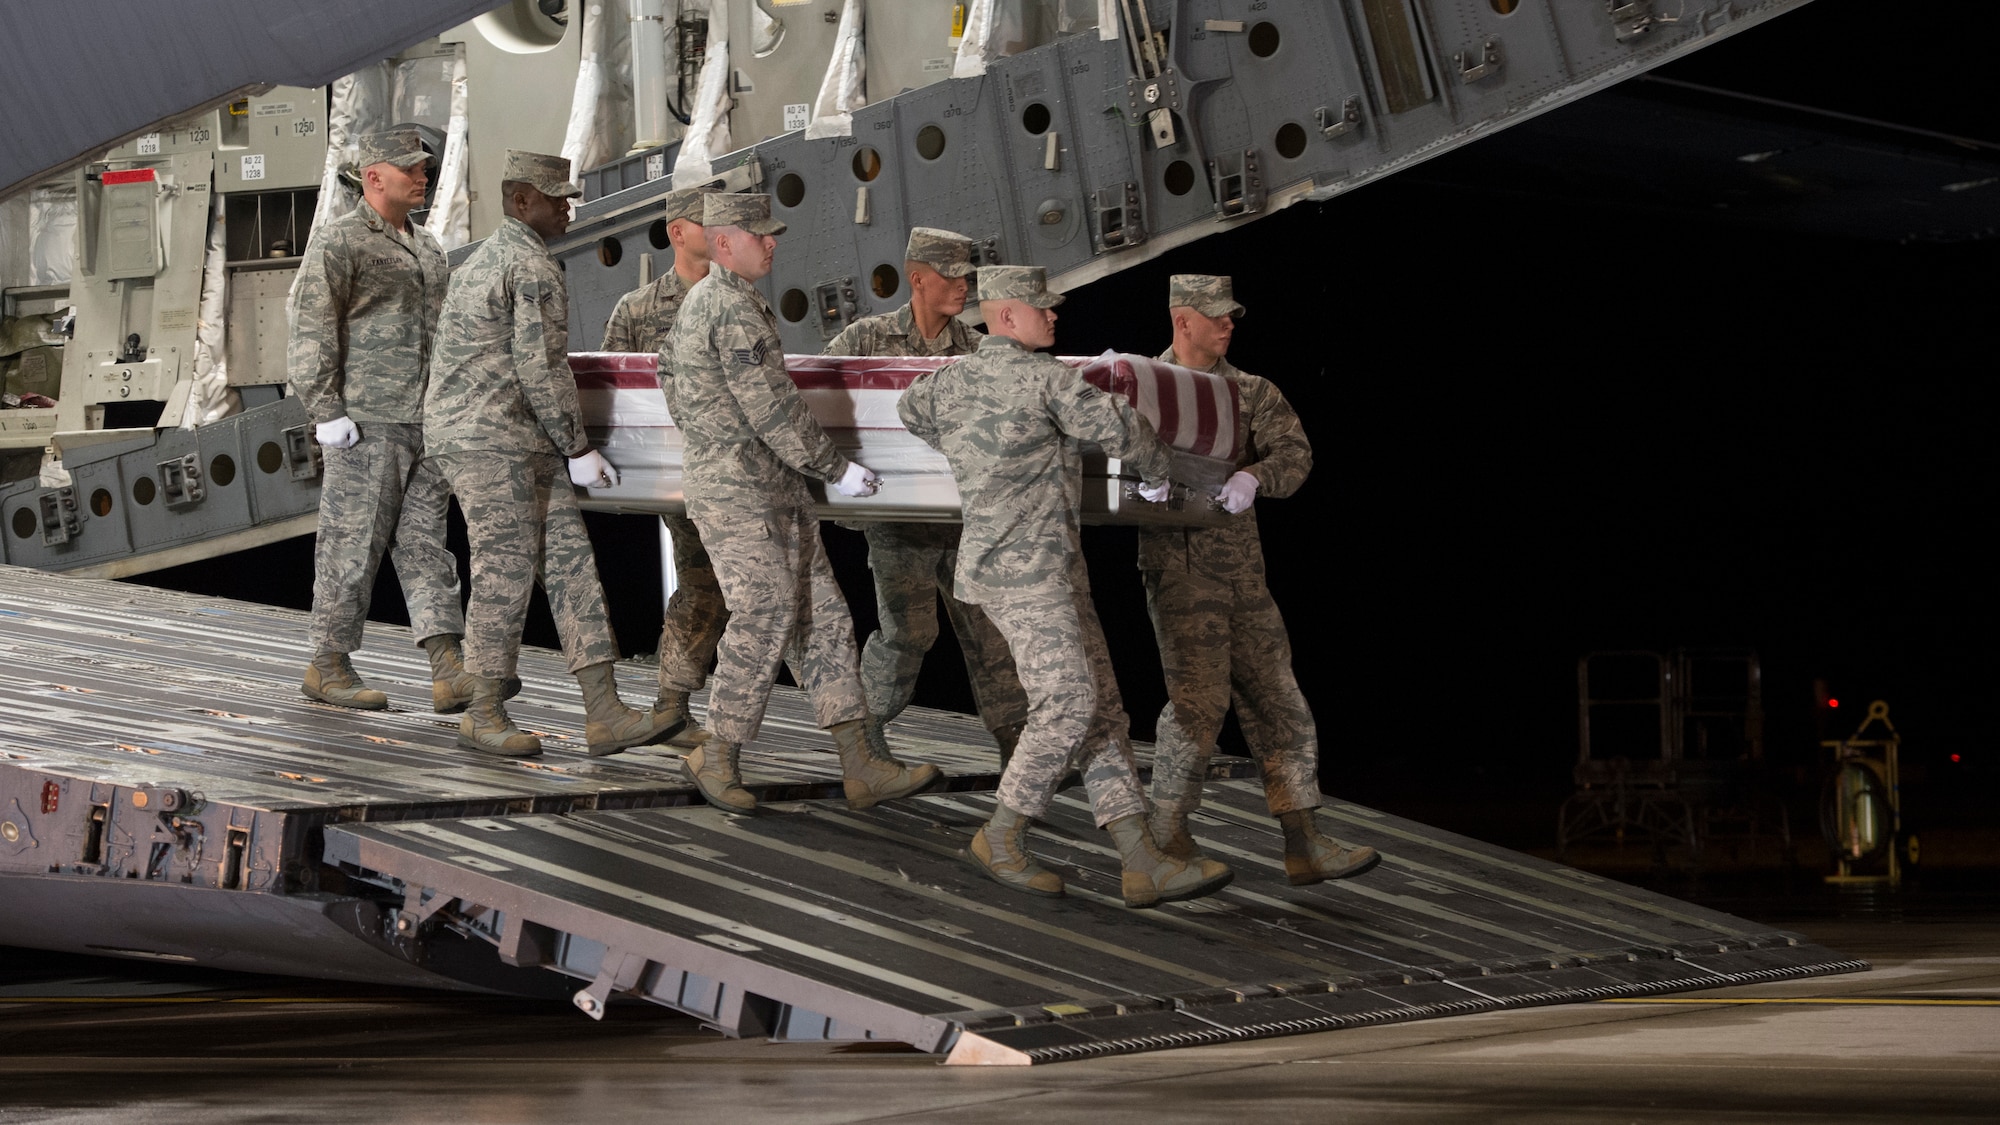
[
  {"x": 164, "y": 786},
  {"x": 125, "y": 684},
  {"x": 813, "y": 921}
]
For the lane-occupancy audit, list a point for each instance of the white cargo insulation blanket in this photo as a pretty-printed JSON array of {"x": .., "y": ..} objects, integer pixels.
[{"x": 854, "y": 400}]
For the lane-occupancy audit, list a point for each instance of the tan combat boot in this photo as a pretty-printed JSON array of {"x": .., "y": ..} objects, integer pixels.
[
  {"x": 999, "y": 849},
  {"x": 1153, "y": 877},
  {"x": 869, "y": 772},
  {"x": 713, "y": 768},
  {"x": 451, "y": 684},
  {"x": 486, "y": 728},
  {"x": 1313, "y": 858},
  {"x": 675, "y": 703},
  {"x": 330, "y": 678},
  {"x": 1007, "y": 736},
  {"x": 1170, "y": 832},
  {"x": 610, "y": 726}
]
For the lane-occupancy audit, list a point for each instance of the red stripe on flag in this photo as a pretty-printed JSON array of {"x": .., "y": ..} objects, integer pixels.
[
  {"x": 855, "y": 373},
  {"x": 1215, "y": 426},
  {"x": 1112, "y": 377},
  {"x": 634, "y": 370},
  {"x": 1204, "y": 417},
  {"x": 1236, "y": 427},
  {"x": 606, "y": 371}
]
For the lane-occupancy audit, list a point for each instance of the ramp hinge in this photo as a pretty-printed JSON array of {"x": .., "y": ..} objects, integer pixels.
[
  {"x": 417, "y": 910},
  {"x": 1119, "y": 222},
  {"x": 1157, "y": 100},
  {"x": 838, "y": 305},
  {"x": 1630, "y": 18},
  {"x": 180, "y": 481},
  {"x": 1487, "y": 66},
  {"x": 1238, "y": 183},
  {"x": 620, "y": 972},
  {"x": 61, "y": 521},
  {"x": 1332, "y": 124}
]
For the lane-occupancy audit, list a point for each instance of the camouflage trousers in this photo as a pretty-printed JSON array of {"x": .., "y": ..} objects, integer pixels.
[
  {"x": 1224, "y": 642},
  {"x": 1076, "y": 717},
  {"x": 381, "y": 494},
  {"x": 785, "y": 605},
  {"x": 913, "y": 565},
  {"x": 525, "y": 528},
  {"x": 695, "y": 613}
]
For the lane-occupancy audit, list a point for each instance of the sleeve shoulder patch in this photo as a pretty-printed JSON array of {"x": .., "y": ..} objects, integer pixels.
[{"x": 753, "y": 356}]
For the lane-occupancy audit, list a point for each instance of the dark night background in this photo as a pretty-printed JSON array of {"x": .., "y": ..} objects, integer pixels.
[{"x": 1549, "y": 419}]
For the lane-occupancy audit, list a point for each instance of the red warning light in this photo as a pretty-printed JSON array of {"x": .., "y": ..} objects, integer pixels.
[
  {"x": 1833, "y": 703},
  {"x": 1954, "y": 757}
]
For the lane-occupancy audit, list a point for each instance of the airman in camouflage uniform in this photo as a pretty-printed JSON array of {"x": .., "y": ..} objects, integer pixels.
[
  {"x": 695, "y": 613},
  {"x": 913, "y": 563},
  {"x": 750, "y": 445},
  {"x": 502, "y": 416},
  {"x": 1220, "y": 634},
  {"x": 1009, "y": 420},
  {"x": 363, "y": 312},
  {"x": 643, "y": 317}
]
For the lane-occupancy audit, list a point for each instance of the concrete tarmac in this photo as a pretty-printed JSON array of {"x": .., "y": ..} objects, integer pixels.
[{"x": 1916, "y": 1039}]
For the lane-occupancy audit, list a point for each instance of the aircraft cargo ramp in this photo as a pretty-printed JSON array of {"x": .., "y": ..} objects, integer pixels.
[{"x": 166, "y": 794}]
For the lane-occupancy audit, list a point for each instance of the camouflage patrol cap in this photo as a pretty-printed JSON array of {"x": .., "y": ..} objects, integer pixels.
[
  {"x": 1204, "y": 293},
  {"x": 684, "y": 204},
  {"x": 944, "y": 251},
  {"x": 546, "y": 174},
  {"x": 1017, "y": 283},
  {"x": 401, "y": 147},
  {"x": 749, "y": 211}
]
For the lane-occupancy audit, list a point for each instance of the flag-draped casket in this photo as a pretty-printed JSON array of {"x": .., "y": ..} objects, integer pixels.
[{"x": 854, "y": 399}]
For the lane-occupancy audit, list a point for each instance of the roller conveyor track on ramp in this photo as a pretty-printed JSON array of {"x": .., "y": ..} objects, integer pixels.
[{"x": 814, "y": 921}]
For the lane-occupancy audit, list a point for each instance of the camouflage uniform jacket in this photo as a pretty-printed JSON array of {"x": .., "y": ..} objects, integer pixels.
[
  {"x": 643, "y": 320},
  {"x": 1274, "y": 450},
  {"x": 500, "y": 380},
  {"x": 747, "y": 434},
  {"x": 363, "y": 312},
  {"x": 1009, "y": 420},
  {"x": 644, "y": 316},
  {"x": 896, "y": 333}
]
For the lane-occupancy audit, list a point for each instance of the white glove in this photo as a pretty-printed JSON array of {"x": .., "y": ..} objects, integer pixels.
[
  {"x": 858, "y": 480},
  {"x": 1237, "y": 493},
  {"x": 591, "y": 470},
  {"x": 337, "y": 434},
  {"x": 1156, "y": 493}
]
